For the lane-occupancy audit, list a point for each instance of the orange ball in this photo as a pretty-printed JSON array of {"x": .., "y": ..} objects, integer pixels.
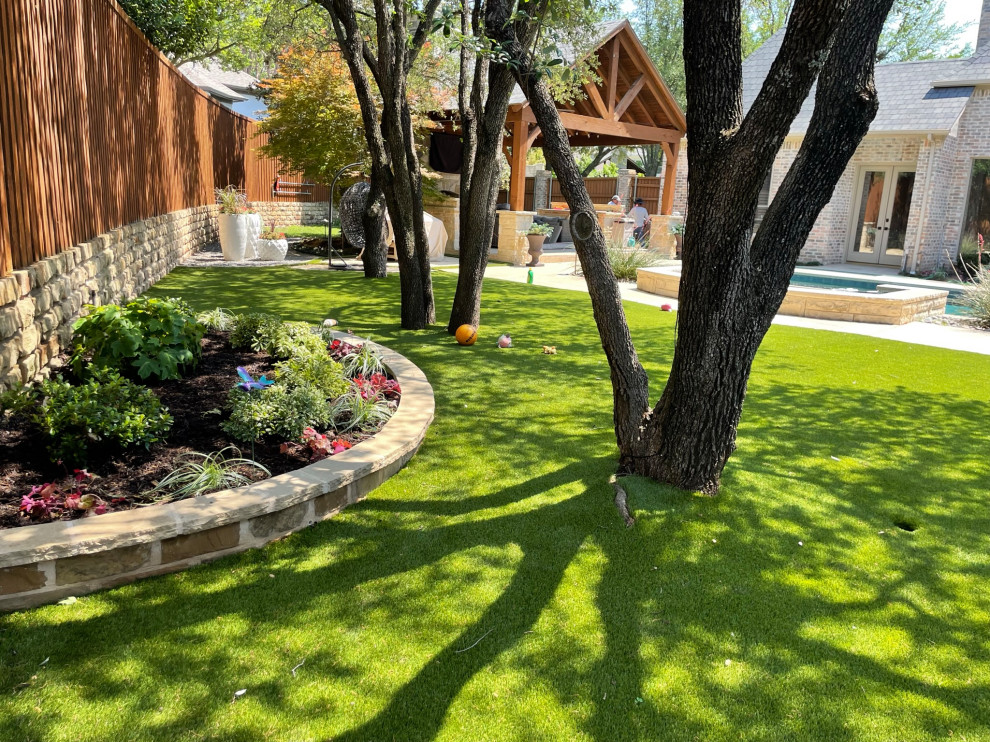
[{"x": 466, "y": 334}]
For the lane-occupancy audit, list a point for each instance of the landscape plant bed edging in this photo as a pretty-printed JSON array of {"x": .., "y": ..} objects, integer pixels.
[{"x": 50, "y": 561}]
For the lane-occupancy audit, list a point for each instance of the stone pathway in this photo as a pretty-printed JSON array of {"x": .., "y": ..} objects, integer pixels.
[
  {"x": 211, "y": 257},
  {"x": 560, "y": 276}
]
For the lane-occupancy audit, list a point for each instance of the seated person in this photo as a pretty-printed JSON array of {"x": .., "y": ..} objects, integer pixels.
[
  {"x": 640, "y": 217},
  {"x": 615, "y": 201}
]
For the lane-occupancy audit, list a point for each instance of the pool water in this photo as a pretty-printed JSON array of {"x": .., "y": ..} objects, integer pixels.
[{"x": 868, "y": 285}]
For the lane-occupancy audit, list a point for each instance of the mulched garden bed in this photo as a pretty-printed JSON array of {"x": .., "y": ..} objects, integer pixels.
[{"x": 197, "y": 404}]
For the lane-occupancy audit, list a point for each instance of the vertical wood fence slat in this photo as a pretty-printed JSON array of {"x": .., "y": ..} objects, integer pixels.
[
  {"x": 6, "y": 244},
  {"x": 98, "y": 129}
]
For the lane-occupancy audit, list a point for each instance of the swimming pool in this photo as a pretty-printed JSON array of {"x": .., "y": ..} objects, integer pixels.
[{"x": 869, "y": 285}]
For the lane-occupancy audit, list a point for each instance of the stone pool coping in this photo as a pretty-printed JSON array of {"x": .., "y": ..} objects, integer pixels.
[
  {"x": 895, "y": 305},
  {"x": 50, "y": 561}
]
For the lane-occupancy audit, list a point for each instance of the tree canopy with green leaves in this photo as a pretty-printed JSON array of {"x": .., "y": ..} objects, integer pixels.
[
  {"x": 313, "y": 119},
  {"x": 915, "y": 29},
  {"x": 241, "y": 34}
]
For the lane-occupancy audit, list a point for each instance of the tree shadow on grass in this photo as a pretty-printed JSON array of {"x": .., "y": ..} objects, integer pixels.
[{"x": 833, "y": 630}]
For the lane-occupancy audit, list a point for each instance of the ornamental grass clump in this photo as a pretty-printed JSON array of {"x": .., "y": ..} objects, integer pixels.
[
  {"x": 202, "y": 473},
  {"x": 218, "y": 319},
  {"x": 626, "y": 261},
  {"x": 362, "y": 360},
  {"x": 354, "y": 411},
  {"x": 977, "y": 296}
]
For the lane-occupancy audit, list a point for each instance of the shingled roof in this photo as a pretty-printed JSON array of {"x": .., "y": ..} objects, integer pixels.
[{"x": 925, "y": 96}]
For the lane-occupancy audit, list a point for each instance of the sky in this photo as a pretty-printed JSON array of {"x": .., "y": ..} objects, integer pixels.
[
  {"x": 964, "y": 11},
  {"x": 956, "y": 11}
]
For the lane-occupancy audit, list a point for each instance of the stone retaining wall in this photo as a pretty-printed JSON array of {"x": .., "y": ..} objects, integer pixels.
[
  {"x": 39, "y": 304},
  {"x": 285, "y": 213},
  {"x": 43, "y": 563}
]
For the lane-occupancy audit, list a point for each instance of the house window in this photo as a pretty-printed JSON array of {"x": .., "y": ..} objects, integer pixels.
[
  {"x": 977, "y": 219},
  {"x": 764, "y": 201}
]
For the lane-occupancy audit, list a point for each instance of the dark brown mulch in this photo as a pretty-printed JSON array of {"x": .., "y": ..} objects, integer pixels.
[{"x": 197, "y": 405}]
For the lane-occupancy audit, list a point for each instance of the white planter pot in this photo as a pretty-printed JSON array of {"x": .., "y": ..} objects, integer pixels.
[
  {"x": 255, "y": 225},
  {"x": 272, "y": 249},
  {"x": 233, "y": 235}
]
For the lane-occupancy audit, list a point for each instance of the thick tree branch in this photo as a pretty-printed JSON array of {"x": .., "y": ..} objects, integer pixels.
[
  {"x": 712, "y": 52},
  {"x": 629, "y": 380},
  {"x": 423, "y": 29}
]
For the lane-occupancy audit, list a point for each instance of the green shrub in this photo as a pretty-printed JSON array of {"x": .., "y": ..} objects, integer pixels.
[
  {"x": 278, "y": 410},
  {"x": 248, "y": 327},
  {"x": 269, "y": 334},
  {"x": 317, "y": 370},
  {"x": 977, "y": 296},
  {"x": 106, "y": 407},
  {"x": 17, "y": 401},
  {"x": 627, "y": 260},
  {"x": 158, "y": 337}
]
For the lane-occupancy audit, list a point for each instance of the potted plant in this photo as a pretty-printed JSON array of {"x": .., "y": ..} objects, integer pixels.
[
  {"x": 536, "y": 235},
  {"x": 272, "y": 245},
  {"x": 233, "y": 223},
  {"x": 677, "y": 229}
]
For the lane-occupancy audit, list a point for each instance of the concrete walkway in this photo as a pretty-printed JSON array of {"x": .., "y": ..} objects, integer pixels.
[{"x": 560, "y": 276}]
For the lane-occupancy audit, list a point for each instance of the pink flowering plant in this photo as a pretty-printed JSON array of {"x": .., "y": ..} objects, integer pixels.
[
  {"x": 49, "y": 501},
  {"x": 318, "y": 445},
  {"x": 377, "y": 386}
]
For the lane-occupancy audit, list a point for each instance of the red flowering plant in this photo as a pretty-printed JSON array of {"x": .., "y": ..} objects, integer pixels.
[
  {"x": 339, "y": 348},
  {"x": 49, "y": 500},
  {"x": 377, "y": 386},
  {"x": 318, "y": 445}
]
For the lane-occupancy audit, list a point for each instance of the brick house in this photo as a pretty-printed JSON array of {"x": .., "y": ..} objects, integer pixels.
[{"x": 918, "y": 187}]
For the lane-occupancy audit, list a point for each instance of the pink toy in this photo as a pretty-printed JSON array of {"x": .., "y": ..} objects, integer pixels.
[
  {"x": 666, "y": 308},
  {"x": 504, "y": 341}
]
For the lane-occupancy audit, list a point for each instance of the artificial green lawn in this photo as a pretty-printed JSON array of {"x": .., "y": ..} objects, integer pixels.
[
  {"x": 307, "y": 230},
  {"x": 489, "y": 591}
]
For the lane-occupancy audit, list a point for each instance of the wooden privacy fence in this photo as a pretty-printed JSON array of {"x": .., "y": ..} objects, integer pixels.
[
  {"x": 98, "y": 129},
  {"x": 600, "y": 190}
]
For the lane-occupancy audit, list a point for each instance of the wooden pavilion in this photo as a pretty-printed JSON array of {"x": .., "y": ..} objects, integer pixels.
[{"x": 632, "y": 105}]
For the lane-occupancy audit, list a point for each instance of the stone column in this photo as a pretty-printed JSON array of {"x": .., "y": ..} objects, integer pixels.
[
  {"x": 661, "y": 239},
  {"x": 623, "y": 187},
  {"x": 541, "y": 190},
  {"x": 512, "y": 243}
]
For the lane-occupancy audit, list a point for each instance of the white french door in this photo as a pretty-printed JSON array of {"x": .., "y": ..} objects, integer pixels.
[{"x": 880, "y": 214}]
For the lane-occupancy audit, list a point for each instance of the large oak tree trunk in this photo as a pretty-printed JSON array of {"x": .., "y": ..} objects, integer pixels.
[
  {"x": 391, "y": 143},
  {"x": 374, "y": 259},
  {"x": 732, "y": 283},
  {"x": 478, "y": 199},
  {"x": 483, "y": 107}
]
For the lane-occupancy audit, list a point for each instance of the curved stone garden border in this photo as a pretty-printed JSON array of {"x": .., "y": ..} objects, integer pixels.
[{"x": 43, "y": 563}]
